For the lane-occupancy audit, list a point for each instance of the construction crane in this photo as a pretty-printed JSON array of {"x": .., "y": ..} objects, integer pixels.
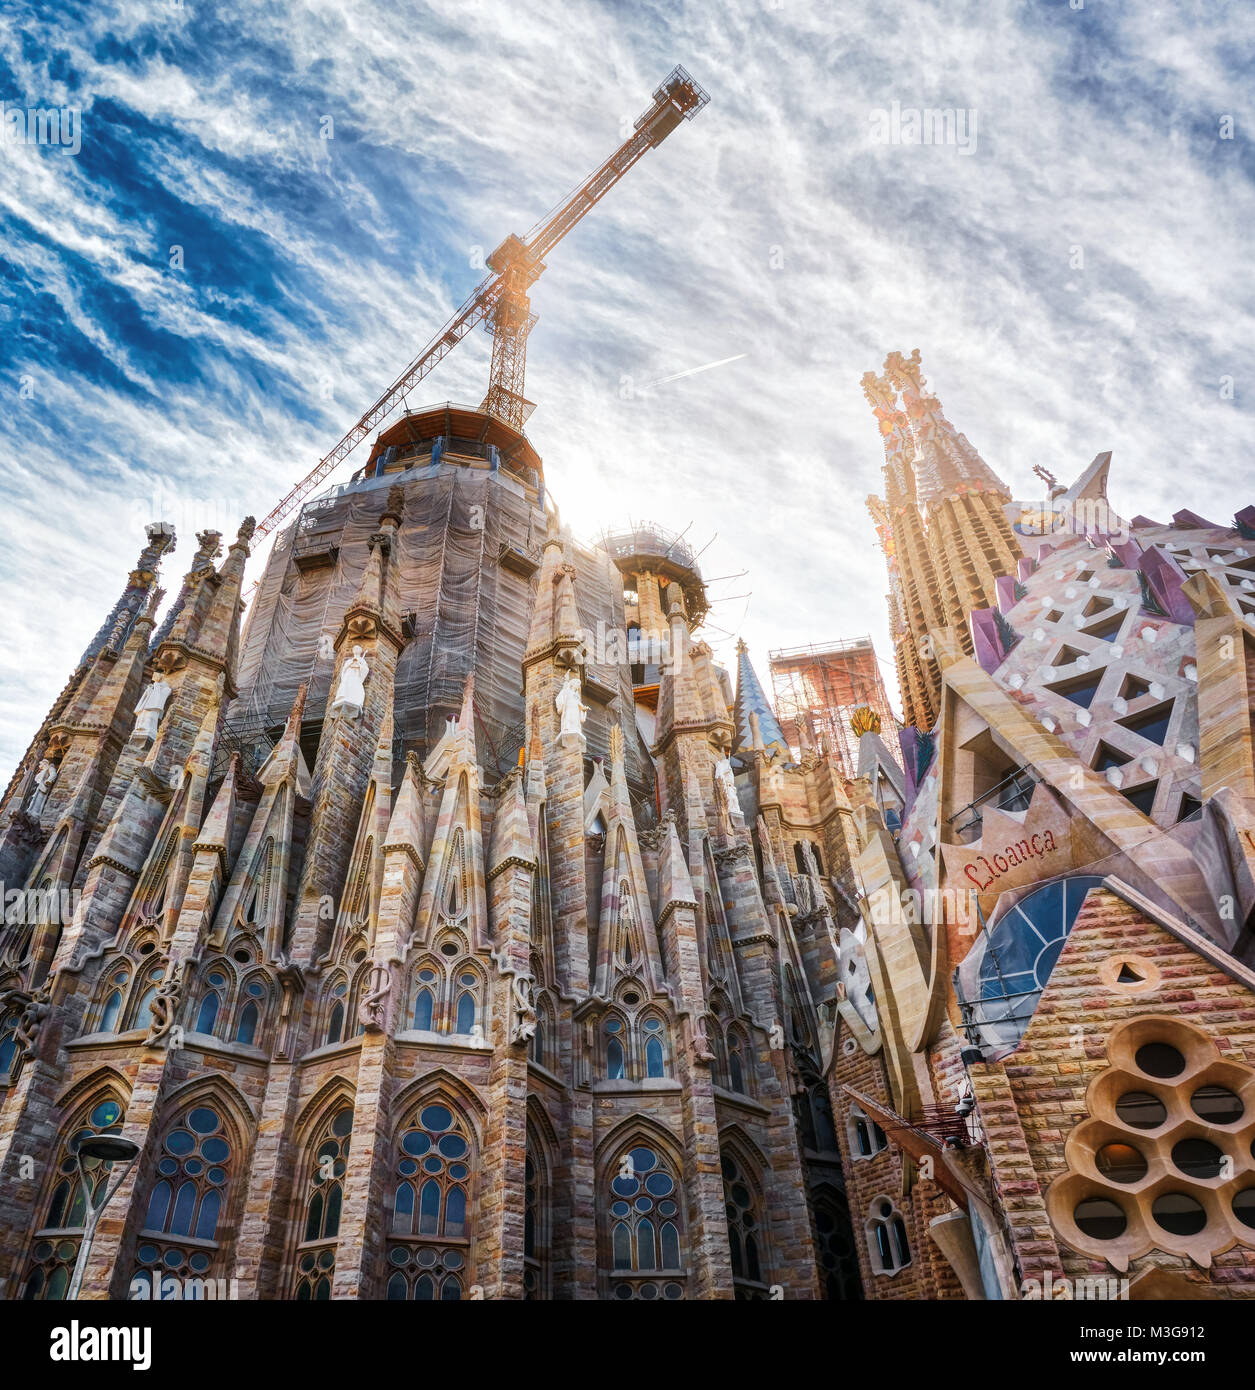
[{"x": 501, "y": 301}]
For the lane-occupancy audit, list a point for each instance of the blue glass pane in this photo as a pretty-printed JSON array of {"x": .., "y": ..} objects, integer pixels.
[
  {"x": 416, "y": 1143},
  {"x": 336, "y": 1024},
  {"x": 653, "y": 1058},
  {"x": 423, "y": 1010},
  {"x": 450, "y": 1290},
  {"x": 158, "y": 1208},
  {"x": 113, "y": 1007},
  {"x": 429, "y": 1208},
  {"x": 403, "y": 1210},
  {"x": 57, "y": 1207},
  {"x": 180, "y": 1142},
  {"x": 184, "y": 1206},
  {"x": 436, "y": 1118},
  {"x": 216, "y": 1150},
  {"x": 247, "y": 1028},
  {"x": 208, "y": 1014},
  {"x": 452, "y": 1146},
  {"x": 643, "y": 1160},
  {"x": 670, "y": 1247},
  {"x": 466, "y": 1014},
  {"x": 614, "y": 1060},
  {"x": 622, "y": 1242},
  {"x": 203, "y": 1120},
  {"x": 334, "y": 1199},
  {"x": 207, "y": 1217},
  {"x": 398, "y": 1290},
  {"x": 645, "y": 1246},
  {"x": 659, "y": 1184},
  {"x": 425, "y": 1290},
  {"x": 455, "y": 1213},
  {"x": 342, "y": 1123},
  {"x": 144, "y": 1011},
  {"x": 313, "y": 1224}
]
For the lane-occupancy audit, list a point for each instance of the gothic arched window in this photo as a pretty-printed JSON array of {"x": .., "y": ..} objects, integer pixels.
[
  {"x": 654, "y": 1047},
  {"x": 211, "y": 1002},
  {"x": 8, "y": 1041},
  {"x": 148, "y": 984},
  {"x": 642, "y": 1210},
  {"x": 536, "y": 1232},
  {"x": 337, "y": 1013},
  {"x": 886, "y": 1237},
  {"x": 745, "y": 1234},
  {"x": 736, "y": 1053},
  {"x": 428, "y": 985},
  {"x": 324, "y": 1198},
  {"x": 186, "y": 1199},
  {"x": 616, "y": 1057},
  {"x": 57, "y": 1240},
  {"x": 429, "y": 1245}
]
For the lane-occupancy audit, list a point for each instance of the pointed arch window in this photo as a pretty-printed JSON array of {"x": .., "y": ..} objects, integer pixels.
[
  {"x": 149, "y": 984},
  {"x": 736, "y": 1063},
  {"x": 211, "y": 1002},
  {"x": 250, "y": 1013},
  {"x": 324, "y": 1198},
  {"x": 834, "y": 1247},
  {"x": 425, "y": 999},
  {"x": 745, "y": 1231},
  {"x": 655, "y": 1053},
  {"x": 429, "y": 1244},
  {"x": 55, "y": 1249},
  {"x": 337, "y": 1013},
  {"x": 197, "y": 1160},
  {"x": 8, "y": 1041},
  {"x": 642, "y": 1220},
  {"x": 616, "y": 1058},
  {"x": 536, "y": 1221}
]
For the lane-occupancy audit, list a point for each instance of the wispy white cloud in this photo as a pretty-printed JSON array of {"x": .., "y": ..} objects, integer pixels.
[{"x": 771, "y": 229}]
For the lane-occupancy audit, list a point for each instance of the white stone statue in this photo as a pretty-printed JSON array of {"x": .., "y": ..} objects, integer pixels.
[
  {"x": 351, "y": 692},
  {"x": 149, "y": 710},
  {"x": 45, "y": 776},
  {"x": 723, "y": 770},
  {"x": 572, "y": 709}
]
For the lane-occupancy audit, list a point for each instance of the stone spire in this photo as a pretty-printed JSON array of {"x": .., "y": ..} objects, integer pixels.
[{"x": 752, "y": 706}]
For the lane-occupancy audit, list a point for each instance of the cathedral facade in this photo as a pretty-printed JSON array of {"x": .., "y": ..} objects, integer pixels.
[
  {"x": 423, "y": 936},
  {"x": 439, "y": 921}
]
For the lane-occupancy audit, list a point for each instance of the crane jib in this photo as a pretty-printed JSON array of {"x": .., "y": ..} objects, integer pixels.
[{"x": 500, "y": 300}]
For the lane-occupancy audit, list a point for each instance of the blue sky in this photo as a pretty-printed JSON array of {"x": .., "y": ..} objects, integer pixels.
[{"x": 199, "y": 384}]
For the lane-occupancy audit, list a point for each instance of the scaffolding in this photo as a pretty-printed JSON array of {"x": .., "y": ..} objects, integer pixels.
[{"x": 816, "y": 690}]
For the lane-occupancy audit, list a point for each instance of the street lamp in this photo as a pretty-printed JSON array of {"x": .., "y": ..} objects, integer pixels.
[{"x": 108, "y": 1148}]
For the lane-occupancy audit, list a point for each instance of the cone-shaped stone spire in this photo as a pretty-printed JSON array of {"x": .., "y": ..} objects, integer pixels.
[
  {"x": 511, "y": 841},
  {"x": 752, "y": 705}
]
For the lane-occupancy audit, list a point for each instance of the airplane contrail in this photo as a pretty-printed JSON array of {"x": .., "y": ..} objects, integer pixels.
[{"x": 692, "y": 371}]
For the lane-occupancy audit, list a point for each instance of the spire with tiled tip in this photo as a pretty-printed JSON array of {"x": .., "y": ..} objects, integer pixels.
[{"x": 751, "y": 706}]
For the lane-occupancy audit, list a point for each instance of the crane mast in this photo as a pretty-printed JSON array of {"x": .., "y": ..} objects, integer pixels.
[{"x": 501, "y": 301}]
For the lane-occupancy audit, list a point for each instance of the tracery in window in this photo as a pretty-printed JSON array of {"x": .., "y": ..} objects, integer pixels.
[
  {"x": 642, "y": 1218},
  {"x": 187, "y": 1198},
  {"x": 324, "y": 1197},
  {"x": 449, "y": 991},
  {"x": 745, "y": 1233},
  {"x": 431, "y": 1216},
  {"x": 834, "y": 1247},
  {"x": 57, "y": 1240},
  {"x": 8, "y": 1040},
  {"x": 536, "y": 1220},
  {"x": 635, "y": 1046}
]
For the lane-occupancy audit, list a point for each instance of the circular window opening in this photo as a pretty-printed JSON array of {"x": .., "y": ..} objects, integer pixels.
[
  {"x": 1244, "y": 1206},
  {"x": 1159, "y": 1059},
  {"x": 359, "y": 957},
  {"x": 448, "y": 949},
  {"x": 242, "y": 956},
  {"x": 1199, "y": 1158},
  {"x": 1217, "y": 1104},
  {"x": 1179, "y": 1214},
  {"x": 1120, "y": 1163},
  {"x": 1100, "y": 1218},
  {"x": 1141, "y": 1110},
  {"x": 147, "y": 948},
  {"x": 631, "y": 999}
]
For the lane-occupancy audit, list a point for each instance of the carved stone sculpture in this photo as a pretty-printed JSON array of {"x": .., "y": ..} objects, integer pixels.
[
  {"x": 149, "y": 710},
  {"x": 351, "y": 691},
  {"x": 571, "y": 708}
]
